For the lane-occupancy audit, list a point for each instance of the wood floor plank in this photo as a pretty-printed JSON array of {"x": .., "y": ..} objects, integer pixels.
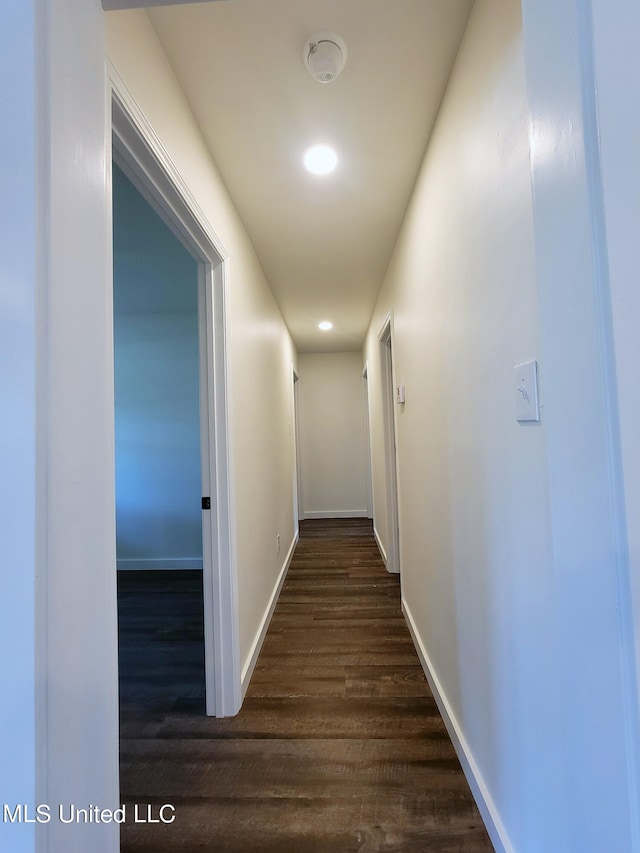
[
  {"x": 339, "y": 745},
  {"x": 295, "y": 825}
]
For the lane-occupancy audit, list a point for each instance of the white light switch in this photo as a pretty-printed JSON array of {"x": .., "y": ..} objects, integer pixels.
[
  {"x": 400, "y": 394},
  {"x": 526, "y": 385}
]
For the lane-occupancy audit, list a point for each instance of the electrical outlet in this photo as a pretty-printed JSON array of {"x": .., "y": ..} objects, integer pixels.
[{"x": 277, "y": 543}]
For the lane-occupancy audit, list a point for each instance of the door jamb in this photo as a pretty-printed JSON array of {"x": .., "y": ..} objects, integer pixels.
[
  {"x": 297, "y": 496},
  {"x": 141, "y": 155},
  {"x": 387, "y": 370},
  {"x": 367, "y": 431}
]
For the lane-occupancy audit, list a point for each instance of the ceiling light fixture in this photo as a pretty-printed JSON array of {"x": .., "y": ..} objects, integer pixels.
[
  {"x": 324, "y": 56},
  {"x": 325, "y": 325},
  {"x": 320, "y": 159}
]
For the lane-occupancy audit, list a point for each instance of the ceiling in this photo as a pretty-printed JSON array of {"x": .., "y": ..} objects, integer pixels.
[{"x": 324, "y": 243}]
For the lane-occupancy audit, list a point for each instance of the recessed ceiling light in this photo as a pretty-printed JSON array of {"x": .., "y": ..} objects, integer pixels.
[
  {"x": 325, "y": 325},
  {"x": 320, "y": 159}
]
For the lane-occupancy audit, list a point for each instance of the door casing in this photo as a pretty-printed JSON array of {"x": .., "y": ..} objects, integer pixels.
[
  {"x": 139, "y": 153},
  {"x": 385, "y": 338}
]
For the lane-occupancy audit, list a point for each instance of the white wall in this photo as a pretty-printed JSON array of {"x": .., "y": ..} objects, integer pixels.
[
  {"x": 59, "y": 708},
  {"x": 18, "y": 418},
  {"x": 260, "y": 351},
  {"x": 617, "y": 66},
  {"x": 506, "y": 629},
  {"x": 590, "y": 546},
  {"x": 332, "y": 435}
]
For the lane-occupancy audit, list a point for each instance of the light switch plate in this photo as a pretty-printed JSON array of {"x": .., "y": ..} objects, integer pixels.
[{"x": 526, "y": 391}]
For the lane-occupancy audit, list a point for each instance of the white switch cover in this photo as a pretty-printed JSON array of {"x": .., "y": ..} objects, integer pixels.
[{"x": 526, "y": 385}]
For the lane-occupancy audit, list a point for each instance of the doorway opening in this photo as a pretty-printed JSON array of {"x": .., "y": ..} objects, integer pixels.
[
  {"x": 158, "y": 460},
  {"x": 385, "y": 339},
  {"x": 141, "y": 159}
]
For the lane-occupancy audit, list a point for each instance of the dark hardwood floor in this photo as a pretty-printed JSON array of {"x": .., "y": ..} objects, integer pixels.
[{"x": 339, "y": 745}]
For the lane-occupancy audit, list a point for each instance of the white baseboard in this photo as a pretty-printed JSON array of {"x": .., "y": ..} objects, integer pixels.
[
  {"x": 247, "y": 669},
  {"x": 381, "y": 548},
  {"x": 157, "y": 564},
  {"x": 486, "y": 806},
  {"x": 341, "y": 513}
]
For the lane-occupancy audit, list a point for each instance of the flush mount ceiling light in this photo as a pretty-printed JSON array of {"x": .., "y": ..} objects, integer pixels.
[
  {"x": 324, "y": 56},
  {"x": 320, "y": 159},
  {"x": 325, "y": 325}
]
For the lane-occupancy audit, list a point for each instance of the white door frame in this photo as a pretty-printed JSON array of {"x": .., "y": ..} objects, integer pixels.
[
  {"x": 367, "y": 434},
  {"x": 297, "y": 488},
  {"x": 387, "y": 367},
  {"x": 139, "y": 153}
]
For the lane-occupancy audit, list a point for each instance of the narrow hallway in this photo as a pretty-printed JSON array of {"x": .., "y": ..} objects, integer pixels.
[{"x": 339, "y": 745}]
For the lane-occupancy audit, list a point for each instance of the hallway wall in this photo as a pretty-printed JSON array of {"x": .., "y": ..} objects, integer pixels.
[
  {"x": 259, "y": 348},
  {"x": 500, "y": 624},
  {"x": 618, "y": 75},
  {"x": 58, "y": 621},
  {"x": 332, "y": 436}
]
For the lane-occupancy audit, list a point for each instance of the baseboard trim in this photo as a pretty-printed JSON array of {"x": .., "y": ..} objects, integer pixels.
[
  {"x": 247, "y": 670},
  {"x": 381, "y": 548},
  {"x": 156, "y": 564},
  {"x": 486, "y": 806},
  {"x": 342, "y": 513}
]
